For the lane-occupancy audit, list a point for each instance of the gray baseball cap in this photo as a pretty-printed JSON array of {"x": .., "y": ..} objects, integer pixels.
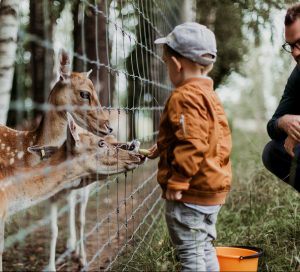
[{"x": 192, "y": 41}]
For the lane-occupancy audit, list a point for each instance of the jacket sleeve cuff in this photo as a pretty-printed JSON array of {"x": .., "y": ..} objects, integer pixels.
[{"x": 179, "y": 183}]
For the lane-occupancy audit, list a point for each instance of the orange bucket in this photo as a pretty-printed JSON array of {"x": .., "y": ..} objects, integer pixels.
[{"x": 238, "y": 258}]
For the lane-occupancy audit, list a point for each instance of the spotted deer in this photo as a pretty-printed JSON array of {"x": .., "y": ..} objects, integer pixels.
[
  {"x": 82, "y": 154},
  {"x": 73, "y": 92}
]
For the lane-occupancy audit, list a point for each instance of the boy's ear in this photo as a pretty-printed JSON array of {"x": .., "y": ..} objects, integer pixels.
[{"x": 177, "y": 63}]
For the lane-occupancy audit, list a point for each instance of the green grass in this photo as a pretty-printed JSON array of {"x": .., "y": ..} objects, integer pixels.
[{"x": 260, "y": 211}]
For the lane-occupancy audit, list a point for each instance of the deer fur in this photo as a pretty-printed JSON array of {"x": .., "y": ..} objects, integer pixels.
[
  {"x": 73, "y": 92},
  {"x": 82, "y": 154}
]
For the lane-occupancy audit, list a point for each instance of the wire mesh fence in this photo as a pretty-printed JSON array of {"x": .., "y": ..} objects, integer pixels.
[{"x": 114, "y": 213}]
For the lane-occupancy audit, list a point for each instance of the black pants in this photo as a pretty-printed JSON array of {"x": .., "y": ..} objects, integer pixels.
[{"x": 280, "y": 163}]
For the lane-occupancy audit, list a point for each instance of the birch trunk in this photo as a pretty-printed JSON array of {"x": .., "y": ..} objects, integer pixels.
[
  {"x": 188, "y": 11},
  {"x": 9, "y": 12}
]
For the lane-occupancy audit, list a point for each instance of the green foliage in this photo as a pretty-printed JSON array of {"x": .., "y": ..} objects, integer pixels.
[
  {"x": 232, "y": 22},
  {"x": 226, "y": 20},
  {"x": 261, "y": 211}
]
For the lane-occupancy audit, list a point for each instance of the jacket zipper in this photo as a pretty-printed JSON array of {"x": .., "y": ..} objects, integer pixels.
[{"x": 181, "y": 121}]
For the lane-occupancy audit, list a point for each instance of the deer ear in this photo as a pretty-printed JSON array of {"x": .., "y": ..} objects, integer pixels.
[
  {"x": 87, "y": 74},
  {"x": 72, "y": 132},
  {"x": 65, "y": 67},
  {"x": 35, "y": 149},
  {"x": 44, "y": 152}
]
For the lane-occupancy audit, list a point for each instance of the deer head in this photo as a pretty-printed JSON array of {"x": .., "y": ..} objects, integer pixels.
[
  {"x": 103, "y": 157},
  {"x": 76, "y": 92},
  {"x": 96, "y": 155},
  {"x": 132, "y": 146}
]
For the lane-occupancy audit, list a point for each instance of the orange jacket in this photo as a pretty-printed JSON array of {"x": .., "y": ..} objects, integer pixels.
[{"x": 194, "y": 144}]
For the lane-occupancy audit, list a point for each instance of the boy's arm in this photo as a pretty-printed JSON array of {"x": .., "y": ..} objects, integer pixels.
[
  {"x": 188, "y": 116},
  {"x": 153, "y": 152}
]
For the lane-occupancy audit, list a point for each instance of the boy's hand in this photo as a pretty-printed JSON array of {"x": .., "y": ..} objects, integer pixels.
[
  {"x": 173, "y": 195},
  {"x": 153, "y": 152}
]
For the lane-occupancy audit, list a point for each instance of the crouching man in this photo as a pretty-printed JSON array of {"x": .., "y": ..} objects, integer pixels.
[{"x": 280, "y": 155}]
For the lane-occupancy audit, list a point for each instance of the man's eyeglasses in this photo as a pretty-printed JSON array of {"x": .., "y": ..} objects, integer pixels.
[{"x": 289, "y": 47}]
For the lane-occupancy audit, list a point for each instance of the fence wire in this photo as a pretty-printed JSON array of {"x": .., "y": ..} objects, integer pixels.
[{"x": 115, "y": 38}]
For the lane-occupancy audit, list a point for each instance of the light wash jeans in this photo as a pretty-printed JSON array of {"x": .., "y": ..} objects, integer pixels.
[{"x": 192, "y": 233}]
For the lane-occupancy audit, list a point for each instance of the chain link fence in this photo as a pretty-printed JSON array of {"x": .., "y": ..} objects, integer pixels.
[{"x": 116, "y": 40}]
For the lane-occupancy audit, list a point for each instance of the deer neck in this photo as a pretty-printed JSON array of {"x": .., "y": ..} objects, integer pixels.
[
  {"x": 52, "y": 130},
  {"x": 40, "y": 183}
]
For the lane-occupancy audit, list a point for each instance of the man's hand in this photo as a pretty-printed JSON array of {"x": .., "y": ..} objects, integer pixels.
[
  {"x": 289, "y": 145},
  {"x": 291, "y": 125},
  {"x": 173, "y": 195}
]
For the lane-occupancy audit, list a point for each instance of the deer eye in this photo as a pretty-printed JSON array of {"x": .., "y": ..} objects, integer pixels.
[
  {"x": 101, "y": 143},
  {"x": 85, "y": 95}
]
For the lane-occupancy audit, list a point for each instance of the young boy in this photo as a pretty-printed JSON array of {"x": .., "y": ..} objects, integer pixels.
[{"x": 194, "y": 145}]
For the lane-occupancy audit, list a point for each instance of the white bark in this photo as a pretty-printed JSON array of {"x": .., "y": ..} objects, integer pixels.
[
  {"x": 188, "y": 11},
  {"x": 9, "y": 24}
]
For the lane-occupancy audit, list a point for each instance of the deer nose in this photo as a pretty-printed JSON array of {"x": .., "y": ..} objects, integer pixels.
[
  {"x": 110, "y": 130},
  {"x": 134, "y": 145}
]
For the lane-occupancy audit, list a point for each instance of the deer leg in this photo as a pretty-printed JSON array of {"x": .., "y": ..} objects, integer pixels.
[
  {"x": 83, "y": 204},
  {"x": 2, "y": 224},
  {"x": 72, "y": 226},
  {"x": 54, "y": 233}
]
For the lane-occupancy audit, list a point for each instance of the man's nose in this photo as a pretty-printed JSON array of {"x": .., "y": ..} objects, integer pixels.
[{"x": 295, "y": 51}]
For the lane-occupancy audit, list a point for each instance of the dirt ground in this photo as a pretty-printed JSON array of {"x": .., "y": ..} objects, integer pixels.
[{"x": 120, "y": 206}]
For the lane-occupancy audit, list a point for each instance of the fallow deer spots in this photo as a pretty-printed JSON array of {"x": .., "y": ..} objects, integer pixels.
[
  {"x": 8, "y": 148},
  {"x": 4, "y": 134},
  {"x": 11, "y": 161},
  {"x": 20, "y": 155},
  {"x": 2, "y": 146}
]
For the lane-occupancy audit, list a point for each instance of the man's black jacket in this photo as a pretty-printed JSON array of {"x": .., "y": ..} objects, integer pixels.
[{"x": 289, "y": 104}]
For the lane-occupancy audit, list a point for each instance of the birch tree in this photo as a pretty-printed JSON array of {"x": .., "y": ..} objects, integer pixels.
[{"x": 9, "y": 12}]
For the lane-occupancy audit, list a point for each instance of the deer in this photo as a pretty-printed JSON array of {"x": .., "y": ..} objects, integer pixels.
[
  {"x": 82, "y": 154},
  {"x": 74, "y": 92}
]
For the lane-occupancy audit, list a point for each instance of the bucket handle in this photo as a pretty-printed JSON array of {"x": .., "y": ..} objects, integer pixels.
[{"x": 256, "y": 255}]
